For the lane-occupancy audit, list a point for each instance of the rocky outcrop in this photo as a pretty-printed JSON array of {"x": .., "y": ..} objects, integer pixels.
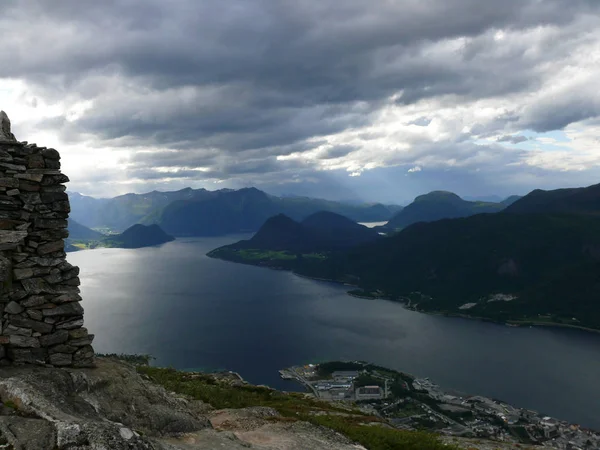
[
  {"x": 111, "y": 407},
  {"x": 42, "y": 319},
  {"x": 5, "y": 133}
]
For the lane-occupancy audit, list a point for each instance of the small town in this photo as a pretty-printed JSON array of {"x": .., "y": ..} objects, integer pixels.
[{"x": 410, "y": 403}]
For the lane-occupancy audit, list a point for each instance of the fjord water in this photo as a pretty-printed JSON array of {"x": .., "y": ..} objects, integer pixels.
[{"x": 193, "y": 312}]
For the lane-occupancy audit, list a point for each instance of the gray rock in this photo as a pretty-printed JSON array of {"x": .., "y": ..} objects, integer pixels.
[
  {"x": 51, "y": 223},
  {"x": 36, "y": 286},
  {"x": 61, "y": 359},
  {"x": 21, "y": 274},
  {"x": 12, "y": 330},
  {"x": 35, "y": 314},
  {"x": 9, "y": 182},
  {"x": 54, "y": 278},
  {"x": 84, "y": 353},
  {"x": 34, "y": 177},
  {"x": 126, "y": 433},
  {"x": 34, "y": 300},
  {"x": 4, "y": 269},
  {"x": 50, "y": 153},
  {"x": 9, "y": 240},
  {"x": 82, "y": 341},
  {"x": 78, "y": 333},
  {"x": 70, "y": 324},
  {"x": 13, "y": 308},
  {"x": 62, "y": 348},
  {"x": 68, "y": 309},
  {"x": 59, "y": 337},
  {"x": 51, "y": 247},
  {"x": 66, "y": 298},
  {"x": 35, "y": 325},
  {"x": 29, "y": 355},
  {"x": 28, "y": 433},
  {"x": 5, "y": 133},
  {"x": 24, "y": 341}
]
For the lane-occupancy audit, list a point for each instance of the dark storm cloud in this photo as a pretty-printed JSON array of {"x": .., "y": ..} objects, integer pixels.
[{"x": 229, "y": 86}]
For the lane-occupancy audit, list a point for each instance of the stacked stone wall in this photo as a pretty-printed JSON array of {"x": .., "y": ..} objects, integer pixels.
[{"x": 42, "y": 318}]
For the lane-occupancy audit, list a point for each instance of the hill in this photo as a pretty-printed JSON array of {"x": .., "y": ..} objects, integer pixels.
[
  {"x": 280, "y": 233},
  {"x": 338, "y": 231},
  {"x": 283, "y": 242},
  {"x": 538, "y": 268},
  {"x": 439, "y": 205},
  {"x": 576, "y": 200},
  {"x": 138, "y": 236},
  {"x": 81, "y": 232}
]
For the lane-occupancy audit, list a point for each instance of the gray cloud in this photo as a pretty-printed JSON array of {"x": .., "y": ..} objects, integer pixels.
[
  {"x": 512, "y": 139},
  {"x": 338, "y": 151},
  {"x": 230, "y": 86}
]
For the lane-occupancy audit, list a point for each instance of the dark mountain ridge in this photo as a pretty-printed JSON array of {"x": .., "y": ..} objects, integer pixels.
[
  {"x": 439, "y": 205},
  {"x": 584, "y": 200}
]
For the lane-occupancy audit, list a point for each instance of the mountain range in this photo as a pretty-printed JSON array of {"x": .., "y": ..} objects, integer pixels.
[
  {"x": 584, "y": 200},
  {"x": 198, "y": 212},
  {"x": 538, "y": 261}
]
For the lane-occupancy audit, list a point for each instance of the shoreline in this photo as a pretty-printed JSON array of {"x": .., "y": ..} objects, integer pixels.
[{"x": 513, "y": 322}]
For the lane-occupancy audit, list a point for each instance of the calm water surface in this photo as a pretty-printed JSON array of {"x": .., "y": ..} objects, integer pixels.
[{"x": 190, "y": 311}]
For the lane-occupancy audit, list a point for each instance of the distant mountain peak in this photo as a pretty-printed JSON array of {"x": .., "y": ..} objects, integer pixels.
[
  {"x": 438, "y": 195},
  {"x": 439, "y": 205}
]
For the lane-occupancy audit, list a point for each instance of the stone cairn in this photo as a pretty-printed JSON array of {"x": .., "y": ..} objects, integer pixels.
[{"x": 42, "y": 319}]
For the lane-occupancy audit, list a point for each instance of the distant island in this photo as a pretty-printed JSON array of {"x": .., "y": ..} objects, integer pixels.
[
  {"x": 137, "y": 236},
  {"x": 515, "y": 267},
  {"x": 410, "y": 403}
]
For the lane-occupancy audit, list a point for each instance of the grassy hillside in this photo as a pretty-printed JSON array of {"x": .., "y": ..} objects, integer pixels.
[{"x": 369, "y": 431}]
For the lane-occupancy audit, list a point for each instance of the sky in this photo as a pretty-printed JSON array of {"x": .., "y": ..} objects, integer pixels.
[{"x": 378, "y": 100}]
